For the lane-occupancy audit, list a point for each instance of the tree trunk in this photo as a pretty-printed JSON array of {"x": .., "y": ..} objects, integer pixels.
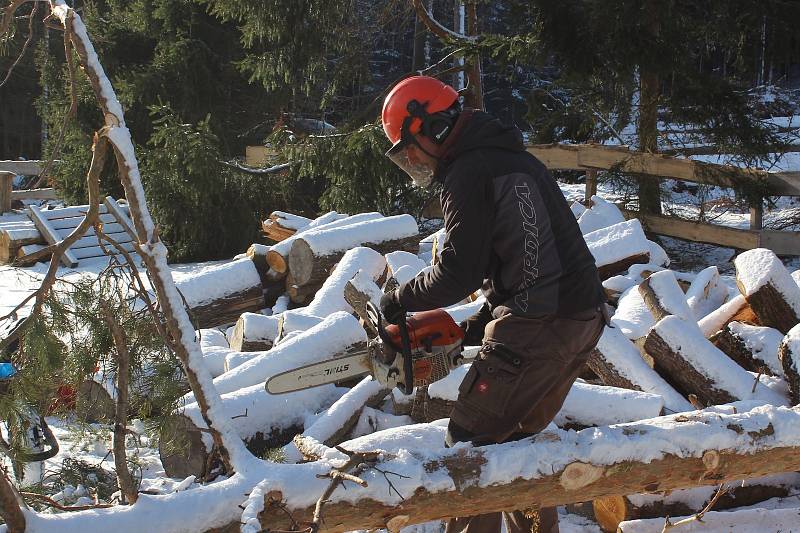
[
  {"x": 647, "y": 128},
  {"x": 611, "y": 510},
  {"x": 474, "y": 96},
  {"x": 467, "y": 488},
  {"x": 760, "y": 357},
  {"x": 11, "y": 506},
  {"x": 127, "y": 485}
]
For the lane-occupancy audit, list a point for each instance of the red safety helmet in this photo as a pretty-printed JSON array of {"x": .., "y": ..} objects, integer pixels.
[
  {"x": 431, "y": 94},
  {"x": 418, "y": 106}
]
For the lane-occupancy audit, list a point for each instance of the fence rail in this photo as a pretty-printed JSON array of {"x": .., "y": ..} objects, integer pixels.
[{"x": 8, "y": 170}]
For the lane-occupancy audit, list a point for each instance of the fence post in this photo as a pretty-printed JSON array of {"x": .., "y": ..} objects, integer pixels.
[
  {"x": 757, "y": 214},
  {"x": 591, "y": 186},
  {"x": 6, "y": 179}
]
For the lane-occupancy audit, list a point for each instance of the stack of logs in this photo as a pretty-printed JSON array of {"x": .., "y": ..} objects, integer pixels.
[{"x": 704, "y": 347}]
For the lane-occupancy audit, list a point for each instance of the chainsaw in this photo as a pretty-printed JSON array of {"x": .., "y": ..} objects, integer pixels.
[{"x": 417, "y": 352}]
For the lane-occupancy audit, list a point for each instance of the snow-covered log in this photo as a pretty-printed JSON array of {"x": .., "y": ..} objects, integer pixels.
[
  {"x": 611, "y": 510},
  {"x": 700, "y": 368},
  {"x": 332, "y": 426},
  {"x": 769, "y": 288},
  {"x": 399, "y": 259},
  {"x": 300, "y": 295},
  {"x": 601, "y": 214},
  {"x": 754, "y": 348},
  {"x": 214, "y": 347},
  {"x": 254, "y": 333},
  {"x": 743, "y": 521},
  {"x": 734, "y": 310},
  {"x": 663, "y": 296},
  {"x": 549, "y": 469},
  {"x": 263, "y": 421},
  {"x": 789, "y": 355},
  {"x": 220, "y": 293},
  {"x": 617, "y": 247},
  {"x": 314, "y": 254},
  {"x": 331, "y": 337},
  {"x": 585, "y": 405},
  {"x": 295, "y": 320},
  {"x": 330, "y": 297},
  {"x": 281, "y": 225},
  {"x": 618, "y": 363},
  {"x": 706, "y": 293},
  {"x": 278, "y": 254}
]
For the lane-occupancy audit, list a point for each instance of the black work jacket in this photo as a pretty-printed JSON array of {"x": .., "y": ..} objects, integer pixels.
[{"x": 508, "y": 229}]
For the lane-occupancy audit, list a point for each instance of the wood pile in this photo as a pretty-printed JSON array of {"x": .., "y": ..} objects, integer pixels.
[{"x": 678, "y": 342}]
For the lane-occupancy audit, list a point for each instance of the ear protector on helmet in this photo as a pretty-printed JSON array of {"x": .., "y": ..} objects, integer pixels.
[{"x": 436, "y": 126}]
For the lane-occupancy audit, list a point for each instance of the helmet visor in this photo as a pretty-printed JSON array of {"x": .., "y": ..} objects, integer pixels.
[{"x": 420, "y": 173}]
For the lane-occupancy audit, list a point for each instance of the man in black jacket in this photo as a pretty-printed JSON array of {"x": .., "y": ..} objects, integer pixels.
[{"x": 510, "y": 231}]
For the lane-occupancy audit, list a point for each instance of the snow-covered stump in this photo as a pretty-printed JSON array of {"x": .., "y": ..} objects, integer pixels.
[
  {"x": 610, "y": 511},
  {"x": 619, "y": 364},
  {"x": 334, "y": 336},
  {"x": 754, "y": 348},
  {"x": 707, "y": 293},
  {"x": 219, "y": 294},
  {"x": 734, "y": 310},
  {"x": 769, "y": 288},
  {"x": 789, "y": 355},
  {"x": 663, "y": 296},
  {"x": 549, "y": 469},
  {"x": 615, "y": 248},
  {"x": 278, "y": 255},
  {"x": 743, "y": 521},
  {"x": 254, "y": 333},
  {"x": 690, "y": 360},
  {"x": 332, "y": 426},
  {"x": 601, "y": 214},
  {"x": 262, "y": 421},
  {"x": 313, "y": 255}
]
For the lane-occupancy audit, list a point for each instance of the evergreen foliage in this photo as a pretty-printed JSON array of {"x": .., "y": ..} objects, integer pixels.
[
  {"x": 354, "y": 171},
  {"x": 70, "y": 342},
  {"x": 206, "y": 208}
]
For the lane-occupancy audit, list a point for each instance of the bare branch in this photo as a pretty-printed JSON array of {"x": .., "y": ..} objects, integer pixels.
[
  {"x": 438, "y": 29},
  {"x": 55, "y": 505}
]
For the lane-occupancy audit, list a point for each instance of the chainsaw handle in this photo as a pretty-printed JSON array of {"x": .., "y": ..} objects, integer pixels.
[{"x": 408, "y": 365}]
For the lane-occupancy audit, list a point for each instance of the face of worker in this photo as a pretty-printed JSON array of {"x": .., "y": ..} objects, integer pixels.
[{"x": 416, "y": 163}]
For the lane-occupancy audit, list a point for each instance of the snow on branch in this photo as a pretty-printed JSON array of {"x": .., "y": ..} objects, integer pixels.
[
  {"x": 152, "y": 250},
  {"x": 438, "y": 29}
]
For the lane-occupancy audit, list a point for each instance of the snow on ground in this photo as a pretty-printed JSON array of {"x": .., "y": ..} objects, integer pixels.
[{"x": 91, "y": 445}]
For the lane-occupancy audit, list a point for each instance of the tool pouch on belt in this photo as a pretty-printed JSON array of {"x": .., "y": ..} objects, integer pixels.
[{"x": 492, "y": 380}]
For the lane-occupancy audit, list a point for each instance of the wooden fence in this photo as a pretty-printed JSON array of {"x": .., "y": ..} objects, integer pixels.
[
  {"x": 9, "y": 169},
  {"x": 593, "y": 158}
]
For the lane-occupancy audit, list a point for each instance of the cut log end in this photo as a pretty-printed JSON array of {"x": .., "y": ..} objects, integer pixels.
[{"x": 578, "y": 475}]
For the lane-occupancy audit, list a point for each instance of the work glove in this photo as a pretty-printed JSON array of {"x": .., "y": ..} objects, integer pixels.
[
  {"x": 392, "y": 311},
  {"x": 475, "y": 325}
]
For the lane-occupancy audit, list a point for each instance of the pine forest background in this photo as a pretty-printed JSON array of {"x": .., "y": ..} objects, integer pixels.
[{"x": 202, "y": 79}]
